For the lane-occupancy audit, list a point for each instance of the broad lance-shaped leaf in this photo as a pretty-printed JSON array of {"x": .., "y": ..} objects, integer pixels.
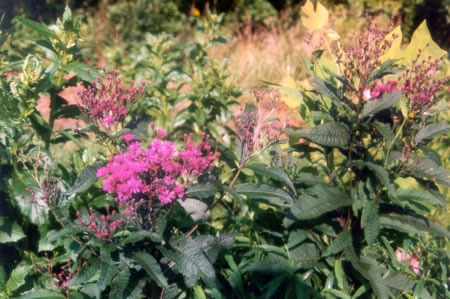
[
  {"x": 263, "y": 191},
  {"x": 342, "y": 241},
  {"x": 424, "y": 167},
  {"x": 17, "y": 277},
  {"x": 374, "y": 106},
  {"x": 201, "y": 191},
  {"x": 411, "y": 224},
  {"x": 325, "y": 199},
  {"x": 370, "y": 222},
  {"x": 420, "y": 196},
  {"x": 212, "y": 246},
  {"x": 381, "y": 174},
  {"x": 327, "y": 89},
  {"x": 10, "y": 231},
  {"x": 274, "y": 173},
  {"x": 191, "y": 262},
  {"x": 432, "y": 130},
  {"x": 329, "y": 134},
  {"x": 81, "y": 70},
  {"x": 42, "y": 294},
  {"x": 197, "y": 209},
  {"x": 42, "y": 29},
  {"x": 87, "y": 177},
  {"x": 108, "y": 270},
  {"x": 152, "y": 267}
]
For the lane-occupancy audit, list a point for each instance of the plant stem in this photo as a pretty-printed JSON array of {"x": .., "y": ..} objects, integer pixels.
[{"x": 393, "y": 141}]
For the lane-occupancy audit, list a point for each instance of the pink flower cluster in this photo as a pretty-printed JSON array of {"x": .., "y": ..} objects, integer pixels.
[
  {"x": 421, "y": 83},
  {"x": 153, "y": 173},
  {"x": 61, "y": 277},
  {"x": 380, "y": 89},
  {"x": 104, "y": 227},
  {"x": 105, "y": 103},
  {"x": 413, "y": 261}
]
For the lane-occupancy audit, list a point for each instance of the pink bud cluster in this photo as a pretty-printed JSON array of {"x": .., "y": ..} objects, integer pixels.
[
  {"x": 61, "y": 277},
  {"x": 380, "y": 89},
  {"x": 106, "y": 102},
  {"x": 104, "y": 227},
  {"x": 421, "y": 83},
  {"x": 413, "y": 261},
  {"x": 256, "y": 129},
  {"x": 364, "y": 56},
  {"x": 153, "y": 173}
]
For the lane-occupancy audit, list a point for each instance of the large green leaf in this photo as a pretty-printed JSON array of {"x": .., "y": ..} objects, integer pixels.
[
  {"x": 120, "y": 282},
  {"x": 329, "y": 134},
  {"x": 326, "y": 89},
  {"x": 387, "y": 100},
  {"x": 420, "y": 196},
  {"x": 80, "y": 69},
  {"x": 342, "y": 241},
  {"x": 212, "y": 246},
  {"x": 370, "y": 221},
  {"x": 137, "y": 236},
  {"x": 425, "y": 167},
  {"x": 265, "y": 192},
  {"x": 326, "y": 199},
  {"x": 10, "y": 231},
  {"x": 42, "y": 29},
  {"x": 86, "y": 273},
  {"x": 305, "y": 256},
  {"x": 381, "y": 174},
  {"x": 87, "y": 177},
  {"x": 201, "y": 191},
  {"x": 108, "y": 269},
  {"x": 152, "y": 267},
  {"x": 411, "y": 224},
  {"x": 17, "y": 277},
  {"x": 42, "y": 294},
  {"x": 197, "y": 209},
  {"x": 388, "y": 67},
  {"x": 274, "y": 173},
  {"x": 432, "y": 130},
  {"x": 191, "y": 262}
]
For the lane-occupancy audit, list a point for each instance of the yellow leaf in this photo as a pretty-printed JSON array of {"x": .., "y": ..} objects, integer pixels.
[
  {"x": 333, "y": 35},
  {"x": 314, "y": 18},
  {"x": 291, "y": 96},
  {"x": 419, "y": 40}
]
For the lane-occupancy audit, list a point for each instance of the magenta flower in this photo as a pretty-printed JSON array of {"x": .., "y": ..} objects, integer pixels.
[
  {"x": 160, "y": 172},
  {"x": 413, "y": 261}
]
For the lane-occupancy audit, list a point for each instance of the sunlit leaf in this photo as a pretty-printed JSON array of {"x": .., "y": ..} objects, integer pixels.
[{"x": 314, "y": 18}]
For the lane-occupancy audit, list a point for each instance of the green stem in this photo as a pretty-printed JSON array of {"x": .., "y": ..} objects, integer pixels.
[
  {"x": 53, "y": 98},
  {"x": 393, "y": 141}
]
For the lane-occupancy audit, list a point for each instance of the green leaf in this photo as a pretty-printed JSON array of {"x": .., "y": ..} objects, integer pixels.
[
  {"x": 326, "y": 199},
  {"x": 424, "y": 167},
  {"x": 42, "y": 29},
  {"x": 329, "y": 134},
  {"x": 190, "y": 261},
  {"x": 80, "y": 69},
  {"x": 137, "y": 236},
  {"x": 326, "y": 89},
  {"x": 294, "y": 96},
  {"x": 201, "y": 191},
  {"x": 87, "y": 177},
  {"x": 42, "y": 294},
  {"x": 197, "y": 209},
  {"x": 381, "y": 174},
  {"x": 305, "y": 256},
  {"x": 420, "y": 195},
  {"x": 370, "y": 222},
  {"x": 431, "y": 130},
  {"x": 274, "y": 173},
  {"x": 339, "y": 272},
  {"x": 341, "y": 242},
  {"x": 388, "y": 67},
  {"x": 2, "y": 280},
  {"x": 387, "y": 100},
  {"x": 17, "y": 277},
  {"x": 237, "y": 196},
  {"x": 86, "y": 273},
  {"x": 138, "y": 126},
  {"x": 67, "y": 111},
  {"x": 152, "y": 267},
  {"x": 212, "y": 246},
  {"x": 120, "y": 282},
  {"x": 10, "y": 231},
  {"x": 385, "y": 130},
  {"x": 107, "y": 270},
  {"x": 411, "y": 224},
  {"x": 265, "y": 192}
]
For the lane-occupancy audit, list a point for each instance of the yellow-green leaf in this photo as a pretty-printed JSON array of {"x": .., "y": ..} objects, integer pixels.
[{"x": 314, "y": 18}]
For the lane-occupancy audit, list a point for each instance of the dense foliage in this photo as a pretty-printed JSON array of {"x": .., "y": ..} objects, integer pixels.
[{"x": 170, "y": 190}]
